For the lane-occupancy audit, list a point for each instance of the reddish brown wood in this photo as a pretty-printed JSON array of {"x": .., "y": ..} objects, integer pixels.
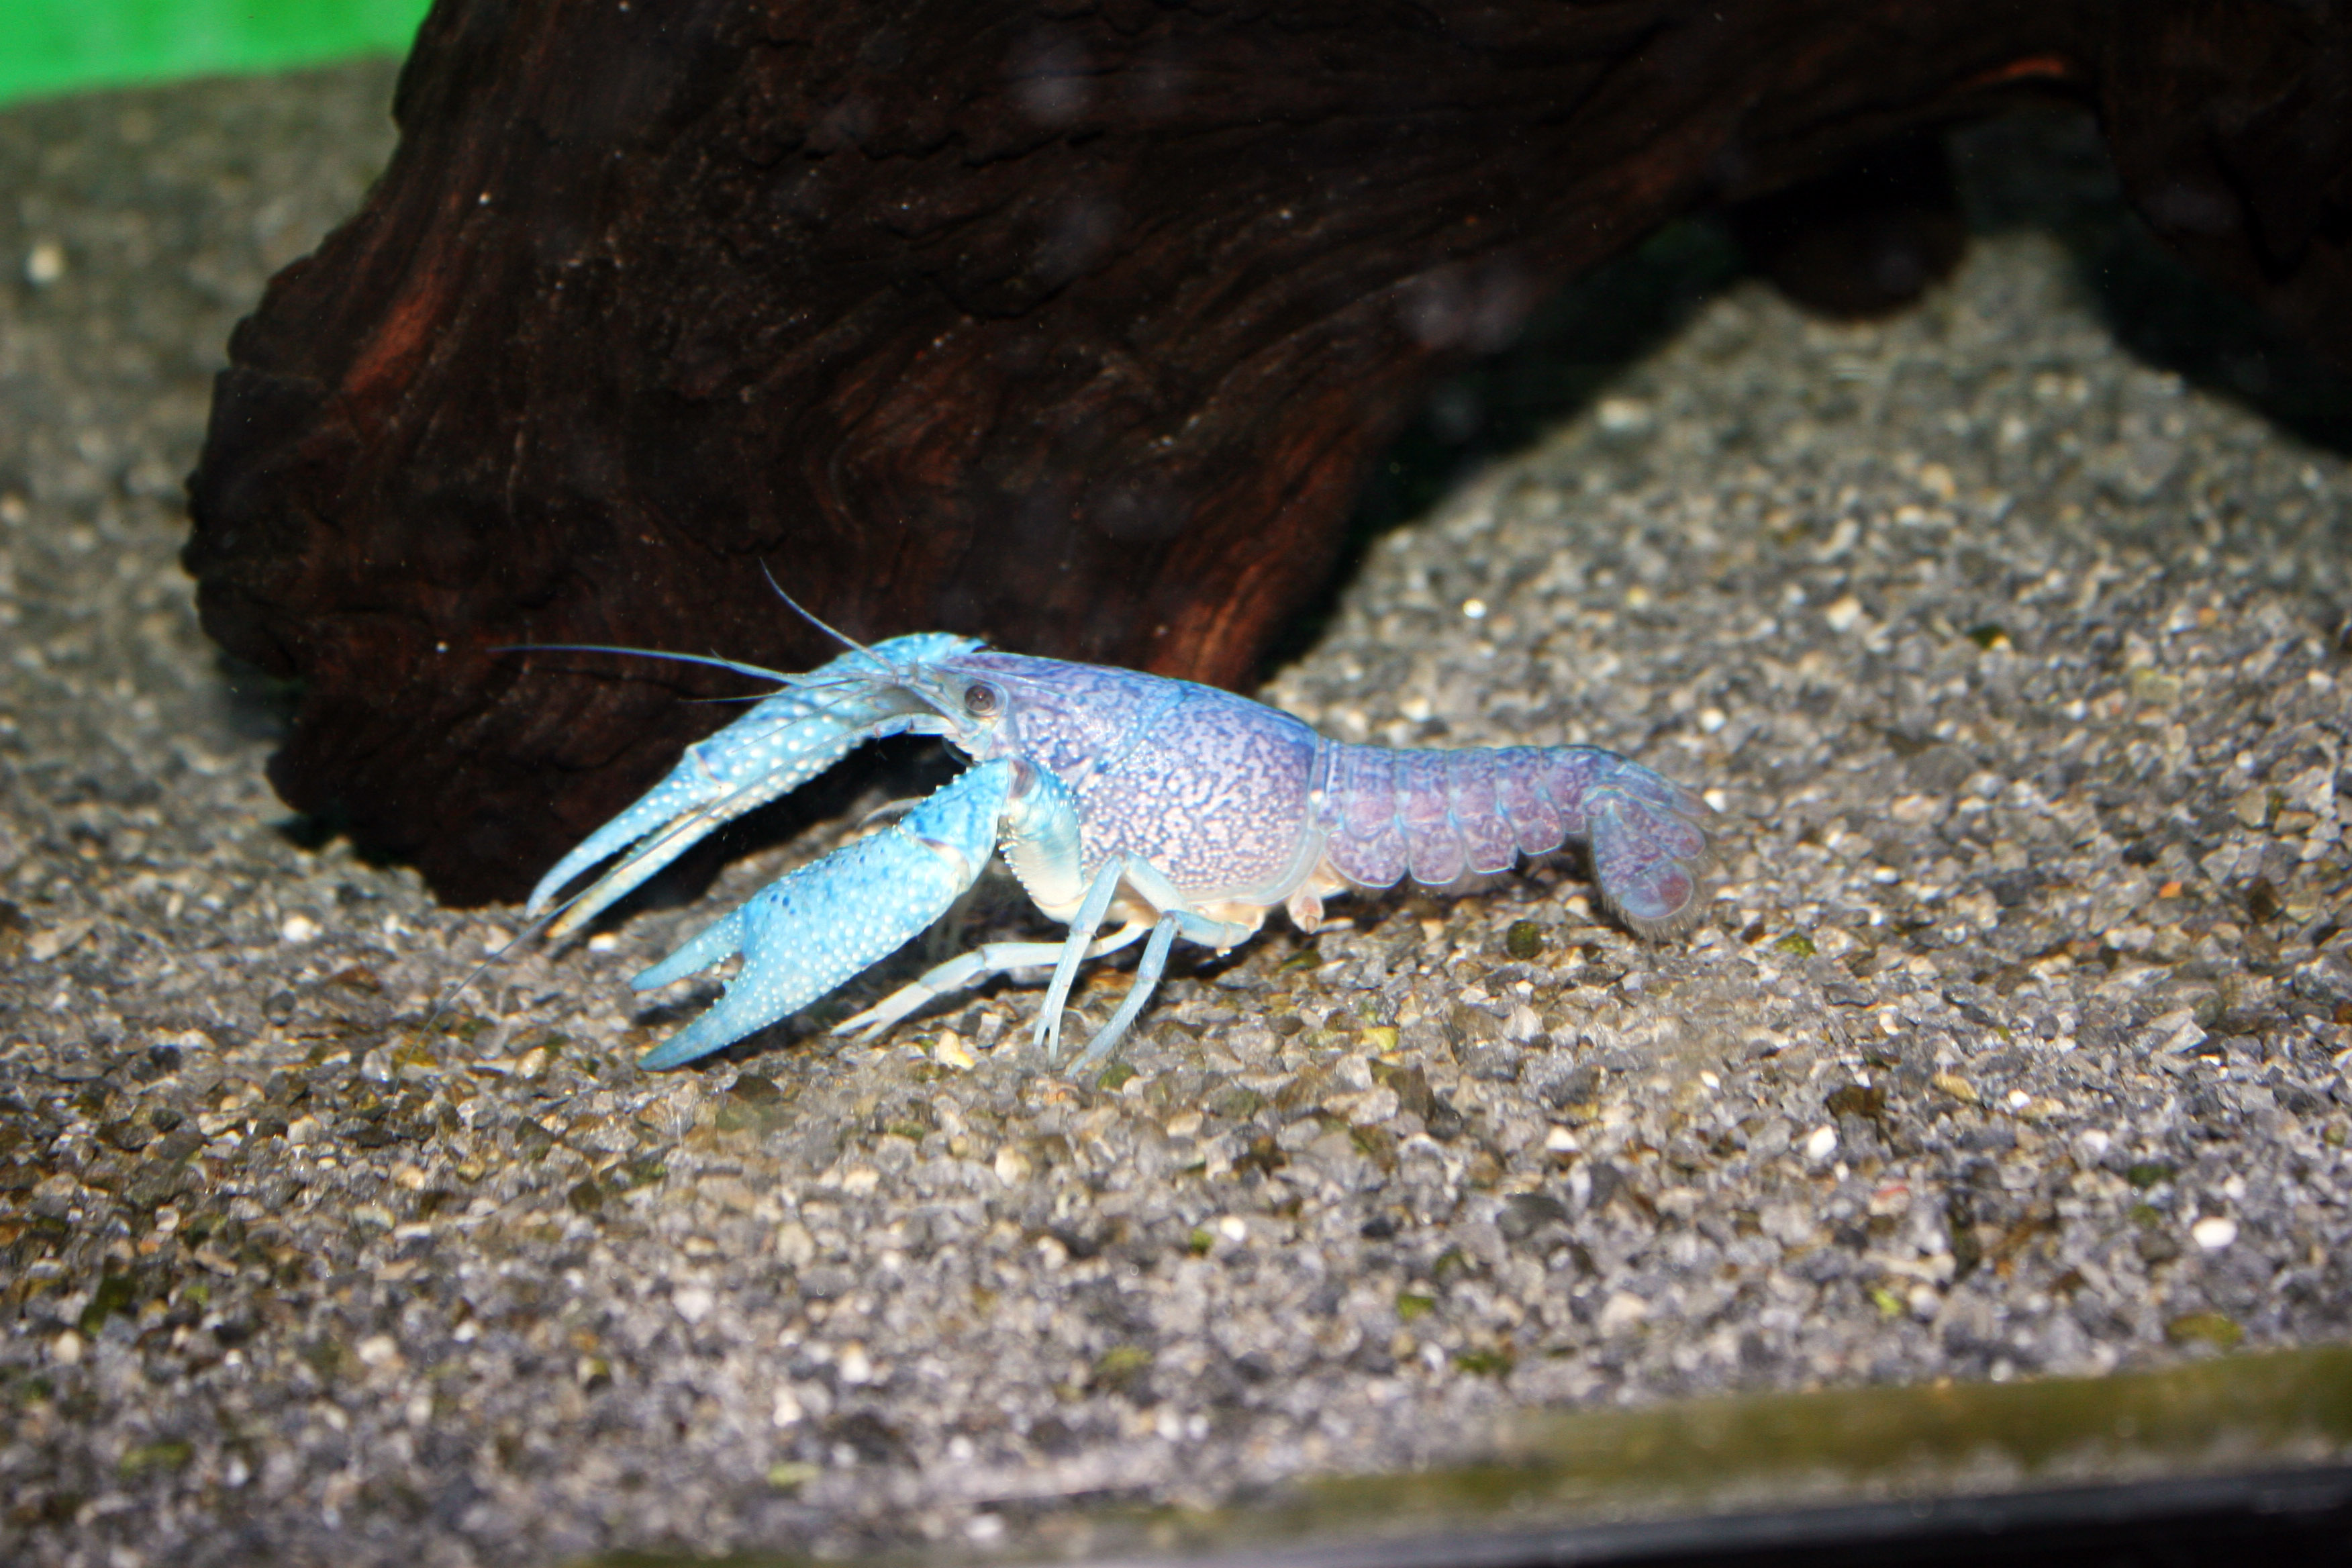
[{"x": 1072, "y": 324}]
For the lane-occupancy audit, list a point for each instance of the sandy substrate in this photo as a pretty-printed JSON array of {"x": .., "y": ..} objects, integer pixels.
[{"x": 2010, "y": 1043}]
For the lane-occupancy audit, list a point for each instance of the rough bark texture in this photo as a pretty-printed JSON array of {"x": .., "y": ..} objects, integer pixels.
[{"x": 1070, "y": 324}]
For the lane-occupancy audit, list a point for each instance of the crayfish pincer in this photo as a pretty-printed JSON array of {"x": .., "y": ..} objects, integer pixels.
[{"x": 1175, "y": 809}]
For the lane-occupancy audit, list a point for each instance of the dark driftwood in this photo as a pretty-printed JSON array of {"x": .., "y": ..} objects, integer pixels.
[{"x": 1073, "y": 324}]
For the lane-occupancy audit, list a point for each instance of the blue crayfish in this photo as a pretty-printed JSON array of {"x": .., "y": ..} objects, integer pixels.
[{"x": 1177, "y": 809}]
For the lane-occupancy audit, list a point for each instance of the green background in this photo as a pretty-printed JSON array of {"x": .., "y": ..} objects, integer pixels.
[{"x": 59, "y": 45}]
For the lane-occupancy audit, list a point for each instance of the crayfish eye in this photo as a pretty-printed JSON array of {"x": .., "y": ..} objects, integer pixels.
[{"x": 981, "y": 701}]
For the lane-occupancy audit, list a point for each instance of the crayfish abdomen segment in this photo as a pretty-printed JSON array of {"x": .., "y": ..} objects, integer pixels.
[{"x": 1437, "y": 814}]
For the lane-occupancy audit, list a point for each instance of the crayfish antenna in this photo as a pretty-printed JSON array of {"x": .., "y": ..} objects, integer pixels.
[
  {"x": 757, "y": 672},
  {"x": 843, "y": 638},
  {"x": 441, "y": 1009}
]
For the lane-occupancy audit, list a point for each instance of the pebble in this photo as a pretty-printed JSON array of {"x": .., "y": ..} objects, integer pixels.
[{"x": 2214, "y": 1233}]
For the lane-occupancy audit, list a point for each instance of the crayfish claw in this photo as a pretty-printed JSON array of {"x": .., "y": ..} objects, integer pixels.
[{"x": 814, "y": 927}]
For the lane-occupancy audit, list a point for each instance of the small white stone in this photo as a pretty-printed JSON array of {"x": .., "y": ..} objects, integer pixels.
[
  {"x": 854, "y": 1366},
  {"x": 45, "y": 263},
  {"x": 1623, "y": 1311},
  {"x": 693, "y": 1302},
  {"x": 1843, "y": 613},
  {"x": 1622, "y": 416},
  {"x": 2214, "y": 1232},
  {"x": 48, "y": 944},
  {"x": 297, "y": 929},
  {"x": 1560, "y": 1141},
  {"x": 67, "y": 1348},
  {"x": 1820, "y": 1143}
]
